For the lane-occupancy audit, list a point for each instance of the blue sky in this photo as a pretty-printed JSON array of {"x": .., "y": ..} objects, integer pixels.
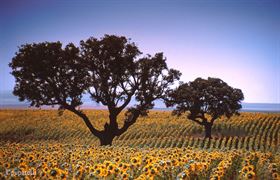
[{"x": 237, "y": 41}]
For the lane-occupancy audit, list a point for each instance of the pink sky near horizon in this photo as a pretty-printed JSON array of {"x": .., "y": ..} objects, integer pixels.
[{"x": 237, "y": 41}]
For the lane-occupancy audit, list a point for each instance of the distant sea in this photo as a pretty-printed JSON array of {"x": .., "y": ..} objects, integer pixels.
[{"x": 8, "y": 100}]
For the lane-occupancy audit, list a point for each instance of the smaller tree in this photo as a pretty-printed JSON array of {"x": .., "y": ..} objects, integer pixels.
[{"x": 206, "y": 100}]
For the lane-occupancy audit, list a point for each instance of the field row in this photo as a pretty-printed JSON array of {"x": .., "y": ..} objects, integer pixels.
[
  {"x": 250, "y": 131},
  {"x": 57, "y": 161}
]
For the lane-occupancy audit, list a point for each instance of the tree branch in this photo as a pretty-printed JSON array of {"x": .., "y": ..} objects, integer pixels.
[
  {"x": 204, "y": 119},
  {"x": 120, "y": 108},
  {"x": 94, "y": 131},
  {"x": 97, "y": 97},
  {"x": 213, "y": 119},
  {"x": 197, "y": 121},
  {"x": 128, "y": 122}
]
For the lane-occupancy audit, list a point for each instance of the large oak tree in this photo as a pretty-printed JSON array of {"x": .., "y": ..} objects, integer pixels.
[
  {"x": 110, "y": 69},
  {"x": 205, "y": 100}
]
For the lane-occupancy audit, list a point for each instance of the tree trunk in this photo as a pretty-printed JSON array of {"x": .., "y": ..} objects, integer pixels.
[
  {"x": 106, "y": 139},
  {"x": 208, "y": 130},
  {"x": 108, "y": 134}
]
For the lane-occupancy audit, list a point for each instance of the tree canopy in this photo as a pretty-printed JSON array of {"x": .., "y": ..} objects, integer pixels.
[
  {"x": 202, "y": 98},
  {"x": 112, "y": 70}
]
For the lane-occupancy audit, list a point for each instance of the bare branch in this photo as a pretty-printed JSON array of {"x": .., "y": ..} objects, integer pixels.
[
  {"x": 197, "y": 121},
  {"x": 85, "y": 118}
]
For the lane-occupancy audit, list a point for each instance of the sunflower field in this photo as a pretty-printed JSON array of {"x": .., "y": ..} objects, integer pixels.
[{"x": 41, "y": 144}]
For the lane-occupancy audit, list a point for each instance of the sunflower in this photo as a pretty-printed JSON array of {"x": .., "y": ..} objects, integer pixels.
[
  {"x": 193, "y": 167},
  {"x": 63, "y": 174},
  {"x": 96, "y": 166},
  {"x": 110, "y": 167},
  {"x": 79, "y": 173},
  {"x": 251, "y": 168},
  {"x": 6, "y": 165},
  {"x": 107, "y": 163},
  {"x": 117, "y": 159},
  {"x": 125, "y": 176},
  {"x": 22, "y": 160},
  {"x": 31, "y": 158},
  {"x": 272, "y": 166},
  {"x": 54, "y": 172},
  {"x": 43, "y": 174},
  {"x": 151, "y": 177},
  {"x": 23, "y": 166},
  {"x": 275, "y": 176},
  {"x": 162, "y": 164},
  {"x": 125, "y": 166},
  {"x": 250, "y": 175},
  {"x": 220, "y": 173},
  {"x": 174, "y": 162},
  {"x": 183, "y": 175},
  {"x": 141, "y": 177},
  {"x": 245, "y": 169},
  {"x": 98, "y": 171},
  {"x": 153, "y": 171},
  {"x": 116, "y": 170},
  {"x": 216, "y": 177},
  {"x": 134, "y": 161},
  {"x": 145, "y": 170},
  {"x": 205, "y": 166}
]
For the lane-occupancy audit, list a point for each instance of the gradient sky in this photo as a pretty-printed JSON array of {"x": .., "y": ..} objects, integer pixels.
[{"x": 237, "y": 41}]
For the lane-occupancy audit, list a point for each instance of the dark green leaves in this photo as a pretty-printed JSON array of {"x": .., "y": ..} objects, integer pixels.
[
  {"x": 47, "y": 74},
  {"x": 110, "y": 69},
  {"x": 210, "y": 96}
]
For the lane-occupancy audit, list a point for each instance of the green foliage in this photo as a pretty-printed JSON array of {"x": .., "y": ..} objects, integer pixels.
[
  {"x": 109, "y": 69},
  {"x": 203, "y": 98}
]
